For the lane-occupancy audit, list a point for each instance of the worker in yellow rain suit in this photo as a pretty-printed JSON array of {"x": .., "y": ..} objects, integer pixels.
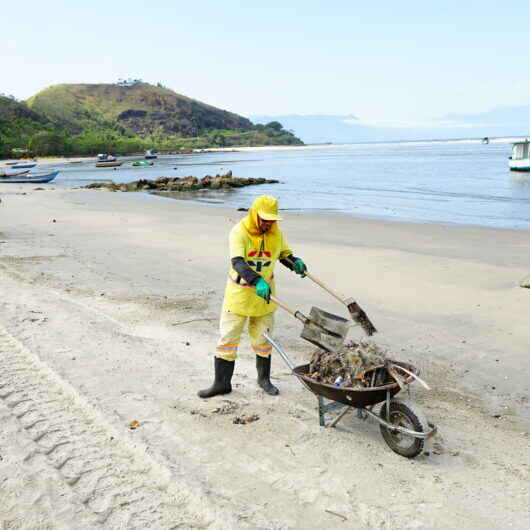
[{"x": 256, "y": 244}]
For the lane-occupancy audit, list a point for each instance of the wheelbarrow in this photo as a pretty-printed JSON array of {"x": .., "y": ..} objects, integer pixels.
[{"x": 403, "y": 425}]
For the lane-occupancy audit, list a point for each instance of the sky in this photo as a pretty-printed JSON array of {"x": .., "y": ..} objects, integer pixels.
[{"x": 385, "y": 62}]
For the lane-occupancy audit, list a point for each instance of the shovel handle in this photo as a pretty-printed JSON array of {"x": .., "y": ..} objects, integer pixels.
[
  {"x": 294, "y": 312},
  {"x": 323, "y": 285}
]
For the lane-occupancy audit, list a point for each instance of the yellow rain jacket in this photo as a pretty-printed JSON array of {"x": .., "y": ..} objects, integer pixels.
[{"x": 260, "y": 252}]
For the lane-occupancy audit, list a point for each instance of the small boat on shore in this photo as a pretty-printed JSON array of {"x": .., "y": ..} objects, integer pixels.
[
  {"x": 520, "y": 159},
  {"x": 149, "y": 155},
  {"x": 104, "y": 157},
  {"x": 30, "y": 179},
  {"x": 23, "y": 165},
  {"x": 4, "y": 173},
  {"x": 108, "y": 164}
]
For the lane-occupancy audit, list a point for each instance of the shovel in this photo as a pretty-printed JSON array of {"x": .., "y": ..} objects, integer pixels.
[
  {"x": 357, "y": 314},
  {"x": 323, "y": 329}
]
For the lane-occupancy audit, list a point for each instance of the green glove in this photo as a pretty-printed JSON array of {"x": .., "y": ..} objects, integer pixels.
[
  {"x": 299, "y": 267},
  {"x": 263, "y": 289}
]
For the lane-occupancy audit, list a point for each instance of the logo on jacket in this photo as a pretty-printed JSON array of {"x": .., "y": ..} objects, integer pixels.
[{"x": 259, "y": 264}]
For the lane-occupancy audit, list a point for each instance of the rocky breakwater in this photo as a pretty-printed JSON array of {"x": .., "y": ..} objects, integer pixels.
[{"x": 172, "y": 184}]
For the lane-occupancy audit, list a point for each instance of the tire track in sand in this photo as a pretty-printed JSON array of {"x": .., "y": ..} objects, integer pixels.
[{"x": 116, "y": 482}]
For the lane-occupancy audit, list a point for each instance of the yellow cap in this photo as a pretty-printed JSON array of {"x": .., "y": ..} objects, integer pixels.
[{"x": 267, "y": 208}]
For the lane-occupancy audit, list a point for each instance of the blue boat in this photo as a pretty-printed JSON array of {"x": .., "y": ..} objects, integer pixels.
[
  {"x": 33, "y": 179},
  {"x": 23, "y": 166}
]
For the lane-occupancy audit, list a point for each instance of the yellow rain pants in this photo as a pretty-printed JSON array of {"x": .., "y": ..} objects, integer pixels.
[{"x": 231, "y": 327}]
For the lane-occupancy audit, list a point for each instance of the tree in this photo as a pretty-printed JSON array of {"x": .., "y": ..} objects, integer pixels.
[
  {"x": 3, "y": 146},
  {"x": 217, "y": 138},
  {"x": 47, "y": 143},
  {"x": 275, "y": 125}
]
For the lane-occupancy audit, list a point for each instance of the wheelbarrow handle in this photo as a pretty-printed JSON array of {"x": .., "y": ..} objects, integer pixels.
[
  {"x": 286, "y": 358},
  {"x": 279, "y": 349}
]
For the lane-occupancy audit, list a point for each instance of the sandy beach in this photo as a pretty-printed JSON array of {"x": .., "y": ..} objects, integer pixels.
[{"x": 110, "y": 303}]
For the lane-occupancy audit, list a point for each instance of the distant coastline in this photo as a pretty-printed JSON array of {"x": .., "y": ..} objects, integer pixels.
[{"x": 266, "y": 148}]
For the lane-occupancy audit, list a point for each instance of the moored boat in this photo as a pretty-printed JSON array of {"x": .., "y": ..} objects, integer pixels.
[
  {"x": 142, "y": 163},
  {"x": 108, "y": 164},
  {"x": 149, "y": 155},
  {"x": 104, "y": 157},
  {"x": 23, "y": 165},
  {"x": 520, "y": 159},
  {"x": 34, "y": 179},
  {"x": 4, "y": 173}
]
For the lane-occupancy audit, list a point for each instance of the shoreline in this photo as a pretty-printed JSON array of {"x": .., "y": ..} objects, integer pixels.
[
  {"x": 324, "y": 211},
  {"x": 212, "y": 203}
]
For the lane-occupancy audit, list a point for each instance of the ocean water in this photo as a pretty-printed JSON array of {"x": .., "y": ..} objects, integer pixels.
[{"x": 445, "y": 182}]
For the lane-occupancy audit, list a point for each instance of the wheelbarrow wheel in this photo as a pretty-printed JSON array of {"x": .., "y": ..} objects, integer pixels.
[{"x": 407, "y": 416}]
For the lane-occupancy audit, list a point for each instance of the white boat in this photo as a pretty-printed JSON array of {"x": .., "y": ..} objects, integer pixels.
[
  {"x": 149, "y": 155},
  {"x": 104, "y": 157},
  {"x": 520, "y": 159}
]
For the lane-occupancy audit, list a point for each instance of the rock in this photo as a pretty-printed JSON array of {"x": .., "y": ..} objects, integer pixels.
[
  {"x": 206, "y": 181},
  {"x": 188, "y": 183},
  {"x": 243, "y": 420},
  {"x": 173, "y": 186}
]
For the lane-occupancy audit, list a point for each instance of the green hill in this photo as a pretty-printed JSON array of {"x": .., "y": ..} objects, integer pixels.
[
  {"x": 123, "y": 118},
  {"x": 138, "y": 108},
  {"x": 18, "y": 122}
]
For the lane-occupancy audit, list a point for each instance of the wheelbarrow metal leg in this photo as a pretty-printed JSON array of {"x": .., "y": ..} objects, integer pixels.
[
  {"x": 324, "y": 408},
  {"x": 321, "y": 411},
  {"x": 339, "y": 417}
]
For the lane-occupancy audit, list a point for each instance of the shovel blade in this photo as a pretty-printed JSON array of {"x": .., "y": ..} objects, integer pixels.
[{"x": 325, "y": 330}]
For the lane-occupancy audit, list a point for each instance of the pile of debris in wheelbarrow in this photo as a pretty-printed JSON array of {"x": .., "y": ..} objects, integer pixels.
[
  {"x": 357, "y": 365},
  {"x": 347, "y": 366}
]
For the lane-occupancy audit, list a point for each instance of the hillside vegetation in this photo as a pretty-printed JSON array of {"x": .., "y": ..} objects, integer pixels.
[
  {"x": 17, "y": 121},
  {"x": 139, "y": 108},
  {"x": 123, "y": 118}
]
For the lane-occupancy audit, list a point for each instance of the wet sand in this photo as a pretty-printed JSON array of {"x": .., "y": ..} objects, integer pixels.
[{"x": 109, "y": 315}]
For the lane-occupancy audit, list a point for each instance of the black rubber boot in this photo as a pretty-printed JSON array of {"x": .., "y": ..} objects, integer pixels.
[
  {"x": 263, "y": 366},
  {"x": 222, "y": 382}
]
